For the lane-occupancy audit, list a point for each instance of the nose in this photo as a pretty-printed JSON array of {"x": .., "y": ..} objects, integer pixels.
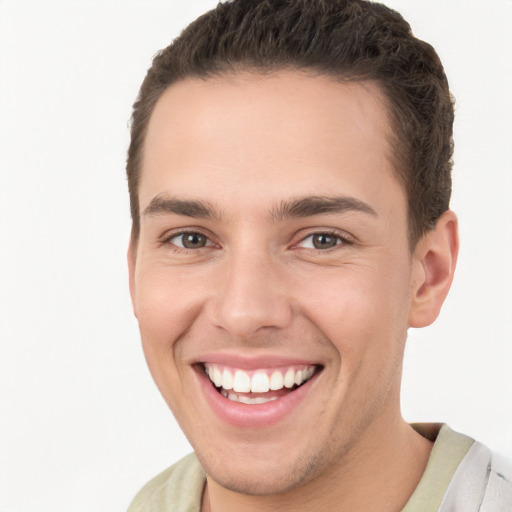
[{"x": 251, "y": 296}]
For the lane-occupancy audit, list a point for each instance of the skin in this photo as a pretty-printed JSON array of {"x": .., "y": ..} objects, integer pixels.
[{"x": 245, "y": 144}]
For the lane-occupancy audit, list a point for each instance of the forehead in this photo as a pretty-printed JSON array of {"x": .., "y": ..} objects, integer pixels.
[{"x": 247, "y": 131}]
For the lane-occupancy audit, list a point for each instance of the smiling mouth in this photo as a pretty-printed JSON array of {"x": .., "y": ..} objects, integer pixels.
[{"x": 258, "y": 386}]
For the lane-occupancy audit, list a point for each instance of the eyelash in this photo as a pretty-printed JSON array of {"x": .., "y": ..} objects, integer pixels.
[
  {"x": 340, "y": 241},
  {"x": 166, "y": 240}
]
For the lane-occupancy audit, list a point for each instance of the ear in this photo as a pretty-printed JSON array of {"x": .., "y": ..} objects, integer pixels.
[
  {"x": 132, "y": 258},
  {"x": 434, "y": 263}
]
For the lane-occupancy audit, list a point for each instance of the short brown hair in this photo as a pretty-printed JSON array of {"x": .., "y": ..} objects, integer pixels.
[{"x": 343, "y": 39}]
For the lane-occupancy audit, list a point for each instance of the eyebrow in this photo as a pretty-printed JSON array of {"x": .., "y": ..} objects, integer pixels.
[
  {"x": 302, "y": 207},
  {"x": 318, "y": 205},
  {"x": 164, "y": 205}
]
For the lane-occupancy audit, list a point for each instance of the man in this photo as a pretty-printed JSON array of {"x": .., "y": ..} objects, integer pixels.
[{"x": 289, "y": 175}]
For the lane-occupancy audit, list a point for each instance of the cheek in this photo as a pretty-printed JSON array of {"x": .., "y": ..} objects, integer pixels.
[
  {"x": 166, "y": 307},
  {"x": 359, "y": 308}
]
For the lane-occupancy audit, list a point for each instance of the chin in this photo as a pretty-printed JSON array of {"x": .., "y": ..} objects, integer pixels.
[{"x": 265, "y": 477}]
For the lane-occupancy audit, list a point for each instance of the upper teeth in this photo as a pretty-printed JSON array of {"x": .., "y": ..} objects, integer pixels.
[{"x": 259, "y": 381}]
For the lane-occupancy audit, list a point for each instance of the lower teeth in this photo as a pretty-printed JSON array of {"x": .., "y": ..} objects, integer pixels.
[{"x": 231, "y": 395}]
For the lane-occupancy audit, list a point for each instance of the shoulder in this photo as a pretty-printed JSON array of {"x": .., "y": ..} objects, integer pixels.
[
  {"x": 499, "y": 486},
  {"x": 482, "y": 482},
  {"x": 178, "y": 488},
  {"x": 462, "y": 475}
]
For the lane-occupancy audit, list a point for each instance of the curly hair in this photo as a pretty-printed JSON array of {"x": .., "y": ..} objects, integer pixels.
[{"x": 347, "y": 40}]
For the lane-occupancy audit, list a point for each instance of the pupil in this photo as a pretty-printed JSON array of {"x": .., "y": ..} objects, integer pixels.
[
  {"x": 193, "y": 240},
  {"x": 324, "y": 241}
]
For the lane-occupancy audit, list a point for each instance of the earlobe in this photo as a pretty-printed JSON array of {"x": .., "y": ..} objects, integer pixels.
[
  {"x": 435, "y": 258},
  {"x": 131, "y": 258}
]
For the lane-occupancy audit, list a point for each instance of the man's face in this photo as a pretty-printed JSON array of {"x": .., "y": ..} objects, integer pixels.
[{"x": 273, "y": 249}]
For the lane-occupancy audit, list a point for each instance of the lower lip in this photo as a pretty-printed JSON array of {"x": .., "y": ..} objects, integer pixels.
[{"x": 256, "y": 415}]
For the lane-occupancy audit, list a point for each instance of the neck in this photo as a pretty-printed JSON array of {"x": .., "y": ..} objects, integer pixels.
[{"x": 379, "y": 473}]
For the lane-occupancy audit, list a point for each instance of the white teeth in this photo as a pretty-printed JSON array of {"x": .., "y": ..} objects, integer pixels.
[
  {"x": 227, "y": 379},
  {"x": 276, "y": 381},
  {"x": 307, "y": 374},
  {"x": 242, "y": 382},
  {"x": 250, "y": 401},
  {"x": 289, "y": 378},
  {"x": 260, "y": 383},
  {"x": 245, "y": 399},
  {"x": 217, "y": 377}
]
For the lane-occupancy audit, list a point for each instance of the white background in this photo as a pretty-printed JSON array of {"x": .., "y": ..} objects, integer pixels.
[{"x": 82, "y": 426}]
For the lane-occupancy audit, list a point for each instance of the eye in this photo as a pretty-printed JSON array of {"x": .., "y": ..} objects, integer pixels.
[
  {"x": 189, "y": 240},
  {"x": 321, "y": 241}
]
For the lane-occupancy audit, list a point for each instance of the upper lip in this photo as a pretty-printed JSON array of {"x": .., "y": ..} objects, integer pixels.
[{"x": 245, "y": 362}]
